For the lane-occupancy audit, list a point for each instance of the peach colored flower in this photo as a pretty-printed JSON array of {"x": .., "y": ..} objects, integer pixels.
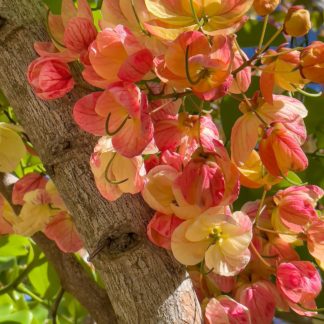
[
  {"x": 35, "y": 214},
  {"x": 312, "y": 62},
  {"x": 220, "y": 240},
  {"x": 315, "y": 241},
  {"x": 61, "y": 229},
  {"x": 191, "y": 62},
  {"x": 246, "y": 130},
  {"x": 280, "y": 151},
  {"x": 29, "y": 182},
  {"x": 280, "y": 71},
  {"x": 125, "y": 109},
  {"x": 115, "y": 174},
  {"x": 225, "y": 310},
  {"x": 253, "y": 173},
  {"x": 160, "y": 229},
  {"x": 50, "y": 78},
  {"x": 297, "y": 21},
  {"x": 116, "y": 54},
  {"x": 157, "y": 191},
  {"x": 299, "y": 283},
  {"x": 171, "y": 18}
]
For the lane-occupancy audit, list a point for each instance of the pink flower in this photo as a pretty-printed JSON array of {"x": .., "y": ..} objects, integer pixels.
[
  {"x": 27, "y": 183},
  {"x": 208, "y": 180},
  {"x": 296, "y": 206},
  {"x": 50, "y": 78},
  {"x": 225, "y": 310},
  {"x": 124, "y": 107},
  {"x": 280, "y": 151},
  {"x": 160, "y": 229},
  {"x": 116, "y": 54},
  {"x": 261, "y": 298},
  {"x": 315, "y": 241},
  {"x": 115, "y": 174},
  {"x": 85, "y": 115},
  {"x": 299, "y": 283},
  {"x": 242, "y": 80},
  {"x": 185, "y": 132}
]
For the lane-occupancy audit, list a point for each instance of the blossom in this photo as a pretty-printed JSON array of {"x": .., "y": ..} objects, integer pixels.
[
  {"x": 208, "y": 180},
  {"x": 295, "y": 206},
  {"x": 157, "y": 191},
  {"x": 280, "y": 151},
  {"x": 242, "y": 80},
  {"x": 245, "y": 132},
  {"x": 299, "y": 283},
  {"x": 312, "y": 62},
  {"x": 50, "y": 78},
  {"x": 61, "y": 229},
  {"x": 191, "y": 62},
  {"x": 253, "y": 173},
  {"x": 220, "y": 240},
  {"x": 281, "y": 69},
  {"x": 160, "y": 229},
  {"x": 35, "y": 214},
  {"x": 225, "y": 310},
  {"x": 115, "y": 174},
  {"x": 124, "y": 107},
  {"x": 297, "y": 22},
  {"x": 29, "y": 182},
  {"x": 315, "y": 241},
  {"x": 261, "y": 298},
  {"x": 72, "y": 32},
  {"x": 12, "y": 147},
  {"x": 173, "y": 18},
  {"x": 116, "y": 55}
]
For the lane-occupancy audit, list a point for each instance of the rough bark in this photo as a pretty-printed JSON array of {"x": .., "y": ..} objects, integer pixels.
[
  {"x": 144, "y": 283},
  {"x": 73, "y": 277}
]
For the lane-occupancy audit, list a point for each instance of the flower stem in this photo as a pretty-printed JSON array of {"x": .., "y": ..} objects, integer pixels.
[
  {"x": 268, "y": 265},
  {"x": 264, "y": 28}
]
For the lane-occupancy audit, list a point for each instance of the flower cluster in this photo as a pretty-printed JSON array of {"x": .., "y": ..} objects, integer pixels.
[{"x": 159, "y": 71}]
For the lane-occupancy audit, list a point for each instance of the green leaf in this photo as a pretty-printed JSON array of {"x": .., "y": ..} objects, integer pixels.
[
  {"x": 293, "y": 177},
  {"x": 14, "y": 245},
  {"x": 20, "y": 317},
  {"x": 250, "y": 34}
]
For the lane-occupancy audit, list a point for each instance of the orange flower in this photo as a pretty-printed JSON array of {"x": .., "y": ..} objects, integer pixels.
[
  {"x": 312, "y": 62},
  {"x": 191, "y": 62},
  {"x": 280, "y": 71},
  {"x": 222, "y": 17},
  {"x": 280, "y": 151},
  {"x": 297, "y": 22}
]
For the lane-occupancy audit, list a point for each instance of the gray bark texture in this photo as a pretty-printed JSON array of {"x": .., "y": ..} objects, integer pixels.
[{"x": 144, "y": 284}]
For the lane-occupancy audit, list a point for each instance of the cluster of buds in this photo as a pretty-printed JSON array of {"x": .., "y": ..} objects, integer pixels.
[{"x": 148, "y": 60}]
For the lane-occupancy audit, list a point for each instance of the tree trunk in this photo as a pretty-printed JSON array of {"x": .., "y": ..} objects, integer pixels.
[{"x": 145, "y": 284}]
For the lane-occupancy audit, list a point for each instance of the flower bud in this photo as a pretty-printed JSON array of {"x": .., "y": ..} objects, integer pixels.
[
  {"x": 297, "y": 22},
  {"x": 265, "y": 7}
]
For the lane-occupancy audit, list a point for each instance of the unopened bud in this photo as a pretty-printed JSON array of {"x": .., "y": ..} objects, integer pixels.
[
  {"x": 265, "y": 7},
  {"x": 297, "y": 22}
]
